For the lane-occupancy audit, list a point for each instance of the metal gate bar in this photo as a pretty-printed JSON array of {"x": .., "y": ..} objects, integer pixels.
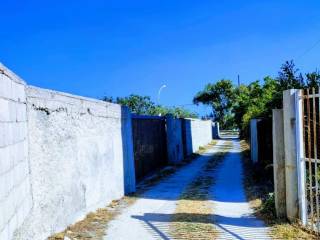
[{"x": 309, "y": 175}]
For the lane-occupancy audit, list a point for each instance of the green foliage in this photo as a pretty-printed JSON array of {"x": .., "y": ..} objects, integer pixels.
[
  {"x": 144, "y": 106},
  {"x": 137, "y": 104},
  {"x": 289, "y": 77},
  {"x": 236, "y": 106},
  {"x": 313, "y": 79},
  {"x": 220, "y": 96},
  {"x": 268, "y": 205}
]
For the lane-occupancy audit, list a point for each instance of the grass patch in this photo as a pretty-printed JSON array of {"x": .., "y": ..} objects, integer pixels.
[
  {"x": 193, "y": 216},
  {"x": 259, "y": 191}
]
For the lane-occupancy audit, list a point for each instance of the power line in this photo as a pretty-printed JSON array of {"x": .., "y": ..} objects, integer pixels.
[
  {"x": 308, "y": 50},
  {"x": 181, "y": 105}
]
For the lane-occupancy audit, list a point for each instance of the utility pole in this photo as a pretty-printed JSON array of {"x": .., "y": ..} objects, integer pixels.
[{"x": 238, "y": 80}]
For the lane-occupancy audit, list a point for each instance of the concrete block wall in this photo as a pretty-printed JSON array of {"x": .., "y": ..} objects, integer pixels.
[
  {"x": 15, "y": 191},
  {"x": 78, "y": 150}
]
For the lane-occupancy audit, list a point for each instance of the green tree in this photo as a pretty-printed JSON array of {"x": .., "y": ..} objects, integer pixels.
[
  {"x": 144, "y": 106},
  {"x": 220, "y": 96},
  {"x": 137, "y": 104},
  {"x": 313, "y": 79},
  {"x": 289, "y": 77}
]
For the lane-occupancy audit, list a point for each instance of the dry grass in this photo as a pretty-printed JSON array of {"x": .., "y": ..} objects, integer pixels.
[
  {"x": 94, "y": 225},
  {"x": 194, "y": 212},
  {"x": 260, "y": 196}
]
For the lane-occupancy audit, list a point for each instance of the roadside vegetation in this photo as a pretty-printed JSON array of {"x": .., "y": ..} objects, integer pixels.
[
  {"x": 193, "y": 216},
  {"x": 143, "y": 105},
  {"x": 259, "y": 191},
  {"x": 233, "y": 106}
]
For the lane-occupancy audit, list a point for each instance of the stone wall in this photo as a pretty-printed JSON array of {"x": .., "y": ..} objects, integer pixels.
[{"x": 15, "y": 194}]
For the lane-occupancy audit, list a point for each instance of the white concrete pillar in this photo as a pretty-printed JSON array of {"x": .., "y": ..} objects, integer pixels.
[
  {"x": 279, "y": 163},
  {"x": 289, "y": 121}
]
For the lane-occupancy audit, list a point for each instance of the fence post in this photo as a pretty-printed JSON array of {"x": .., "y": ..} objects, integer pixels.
[
  {"x": 128, "y": 154},
  {"x": 289, "y": 123},
  {"x": 254, "y": 140},
  {"x": 215, "y": 130},
  {"x": 279, "y": 163},
  {"x": 300, "y": 161},
  {"x": 174, "y": 139}
]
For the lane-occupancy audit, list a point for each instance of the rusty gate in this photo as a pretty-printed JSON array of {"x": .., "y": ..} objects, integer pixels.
[{"x": 308, "y": 157}]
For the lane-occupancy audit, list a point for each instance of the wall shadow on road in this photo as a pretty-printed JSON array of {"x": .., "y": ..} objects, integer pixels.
[{"x": 245, "y": 227}]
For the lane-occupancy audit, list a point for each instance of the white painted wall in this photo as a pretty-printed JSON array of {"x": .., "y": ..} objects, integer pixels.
[
  {"x": 76, "y": 159},
  {"x": 198, "y": 133},
  {"x": 61, "y": 156},
  {"x": 15, "y": 194}
]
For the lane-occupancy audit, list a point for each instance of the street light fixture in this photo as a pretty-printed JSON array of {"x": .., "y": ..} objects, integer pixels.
[{"x": 159, "y": 92}]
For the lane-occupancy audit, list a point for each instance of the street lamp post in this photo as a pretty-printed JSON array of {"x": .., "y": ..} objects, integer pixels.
[{"x": 159, "y": 92}]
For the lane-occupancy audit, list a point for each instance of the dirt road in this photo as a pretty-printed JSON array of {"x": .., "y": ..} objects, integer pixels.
[{"x": 203, "y": 200}]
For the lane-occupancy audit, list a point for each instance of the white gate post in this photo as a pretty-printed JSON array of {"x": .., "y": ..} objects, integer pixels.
[
  {"x": 301, "y": 166},
  {"x": 290, "y": 143},
  {"x": 279, "y": 172}
]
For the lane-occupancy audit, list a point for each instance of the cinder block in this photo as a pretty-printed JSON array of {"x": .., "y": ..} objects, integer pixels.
[
  {"x": 12, "y": 111},
  {"x": 2, "y": 135},
  {"x": 7, "y": 133},
  {"x": 4, "y": 110},
  {"x": 22, "y": 131},
  {"x": 21, "y": 112},
  {"x": 5, "y": 87},
  {"x": 12, "y": 226},
  {"x": 3, "y": 189},
  {"x": 12, "y": 156},
  {"x": 5, "y": 233},
  {"x": 4, "y": 160},
  {"x": 18, "y": 92},
  {"x": 8, "y": 209},
  {"x": 19, "y": 152},
  {"x": 9, "y": 183},
  {"x": 2, "y": 221}
]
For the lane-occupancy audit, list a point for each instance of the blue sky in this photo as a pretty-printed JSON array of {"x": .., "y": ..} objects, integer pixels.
[{"x": 95, "y": 48}]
